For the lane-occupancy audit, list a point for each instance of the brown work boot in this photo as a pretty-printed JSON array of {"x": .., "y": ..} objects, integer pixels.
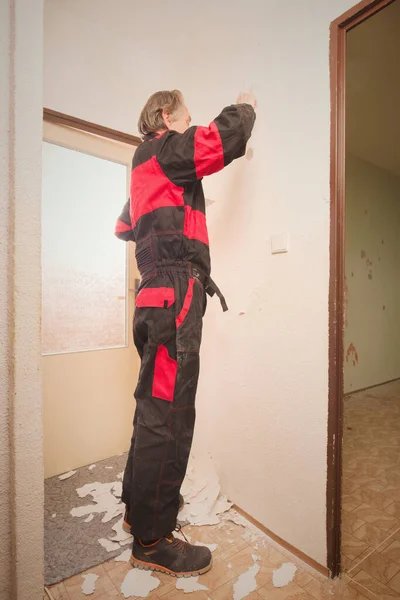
[
  {"x": 172, "y": 556},
  {"x": 127, "y": 528}
]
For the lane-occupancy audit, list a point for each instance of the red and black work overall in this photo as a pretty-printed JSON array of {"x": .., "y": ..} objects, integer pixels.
[{"x": 165, "y": 217}]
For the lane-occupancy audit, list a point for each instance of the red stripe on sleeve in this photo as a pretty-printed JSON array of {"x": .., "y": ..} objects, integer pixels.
[
  {"x": 195, "y": 226},
  {"x": 208, "y": 150}
]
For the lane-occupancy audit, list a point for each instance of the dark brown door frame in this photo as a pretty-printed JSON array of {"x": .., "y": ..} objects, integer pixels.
[
  {"x": 52, "y": 116},
  {"x": 338, "y": 30}
]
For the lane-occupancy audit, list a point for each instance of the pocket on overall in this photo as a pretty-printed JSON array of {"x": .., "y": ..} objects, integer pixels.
[
  {"x": 161, "y": 297},
  {"x": 162, "y": 325},
  {"x": 165, "y": 372},
  {"x": 186, "y": 304}
]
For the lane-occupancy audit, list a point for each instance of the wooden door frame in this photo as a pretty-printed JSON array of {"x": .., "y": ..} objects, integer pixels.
[{"x": 338, "y": 31}]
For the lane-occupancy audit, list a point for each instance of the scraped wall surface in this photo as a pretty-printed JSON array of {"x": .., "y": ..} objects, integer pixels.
[
  {"x": 21, "y": 472},
  {"x": 262, "y": 401},
  {"x": 372, "y": 333}
]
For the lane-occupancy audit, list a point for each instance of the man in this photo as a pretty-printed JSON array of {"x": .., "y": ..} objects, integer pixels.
[{"x": 166, "y": 219}]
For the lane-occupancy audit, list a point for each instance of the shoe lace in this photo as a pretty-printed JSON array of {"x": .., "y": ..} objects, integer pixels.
[{"x": 178, "y": 543}]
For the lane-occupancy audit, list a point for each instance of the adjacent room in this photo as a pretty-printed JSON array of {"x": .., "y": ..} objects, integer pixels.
[{"x": 371, "y": 445}]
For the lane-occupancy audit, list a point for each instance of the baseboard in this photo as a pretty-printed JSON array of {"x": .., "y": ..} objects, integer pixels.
[
  {"x": 304, "y": 557},
  {"x": 370, "y": 387}
]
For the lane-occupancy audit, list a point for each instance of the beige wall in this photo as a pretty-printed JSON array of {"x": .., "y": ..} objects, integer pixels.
[
  {"x": 5, "y": 287},
  {"x": 21, "y": 471},
  {"x": 262, "y": 402},
  {"x": 372, "y": 334}
]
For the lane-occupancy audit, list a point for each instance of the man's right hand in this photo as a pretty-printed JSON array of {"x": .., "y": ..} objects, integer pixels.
[{"x": 247, "y": 98}]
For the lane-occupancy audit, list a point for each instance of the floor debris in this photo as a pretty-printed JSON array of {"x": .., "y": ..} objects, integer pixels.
[
  {"x": 211, "y": 547},
  {"x": 139, "y": 584},
  {"x": 202, "y": 493},
  {"x": 89, "y": 584},
  {"x": 105, "y": 496},
  {"x": 246, "y": 583},
  {"x": 284, "y": 575},
  {"x": 189, "y": 585},
  {"x": 90, "y": 518},
  {"x": 90, "y": 467},
  {"x": 108, "y": 545},
  {"x": 66, "y": 475},
  {"x": 124, "y": 556},
  {"x": 121, "y": 535}
]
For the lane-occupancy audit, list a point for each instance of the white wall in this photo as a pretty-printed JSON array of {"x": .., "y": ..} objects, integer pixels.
[
  {"x": 262, "y": 402},
  {"x": 21, "y": 469},
  {"x": 372, "y": 334}
]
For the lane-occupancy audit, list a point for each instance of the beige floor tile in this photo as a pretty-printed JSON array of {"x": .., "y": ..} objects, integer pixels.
[
  {"x": 352, "y": 547},
  {"x": 378, "y": 566},
  {"x": 59, "y": 592},
  {"x": 349, "y": 487},
  {"x": 361, "y": 592},
  {"x": 103, "y": 584},
  {"x": 370, "y": 534},
  {"x": 289, "y": 592},
  {"x": 376, "y": 499},
  {"x": 351, "y": 522},
  {"x": 394, "y": 583},
  {"x": 168, "y": 585},
  {"x": 218, "y": 575},
  {"x": 232, "y": 549},
  {"x": 244, "y": 559},
  {"x": 393, "y": 509},
  {"x": 376, "y": 587},
  {"x": 349, "y": 502},
  {"x": 112, "y": 594},
  {"x": 118, "y": 574},
  {"x": 392, "y": 552},
  {"x": 273, "y": 556},
  {"x": 302, "y": 578},
  {"x": 392, "y": 494},
  {"x": 347, "y": 563},
  {"x": 375, "y": 517},
  {"x": 180, "y": 595},
  {"x": 226, "y": 593},
  {"x": 376, "y": 485},
  {"x": 336, "y": 589}
]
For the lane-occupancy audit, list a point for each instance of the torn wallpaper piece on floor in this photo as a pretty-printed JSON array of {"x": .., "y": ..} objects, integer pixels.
[{"x": 202, "y": 493}]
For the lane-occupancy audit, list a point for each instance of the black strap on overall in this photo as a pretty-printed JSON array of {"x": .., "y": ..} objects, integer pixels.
[{"x": 209, "y": 285}]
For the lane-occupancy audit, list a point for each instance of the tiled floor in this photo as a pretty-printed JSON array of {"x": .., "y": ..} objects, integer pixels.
[
  {"x": 371, "y": 528},
  {"x": 371, "y": 490},
  {"x": 233, "y": 556}
]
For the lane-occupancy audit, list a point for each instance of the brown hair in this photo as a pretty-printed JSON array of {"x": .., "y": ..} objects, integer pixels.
[{"x": 151, "y": 119}]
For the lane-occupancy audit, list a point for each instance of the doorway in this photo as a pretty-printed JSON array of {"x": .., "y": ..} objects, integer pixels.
[{"x": 364, "y": 394}]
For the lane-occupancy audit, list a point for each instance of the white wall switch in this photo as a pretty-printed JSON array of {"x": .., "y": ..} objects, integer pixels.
[{"x": 279, "y": 243}]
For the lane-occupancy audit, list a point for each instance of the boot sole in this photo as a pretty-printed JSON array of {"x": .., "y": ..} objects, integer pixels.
[
  {"x": 127, "y": 528},
  {"x": 138, "y": 564}
]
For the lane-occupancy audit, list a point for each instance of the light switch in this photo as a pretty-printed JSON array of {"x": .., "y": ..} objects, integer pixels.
[{"x": 279, "y": 243}]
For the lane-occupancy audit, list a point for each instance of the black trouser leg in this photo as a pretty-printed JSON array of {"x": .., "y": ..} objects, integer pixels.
[{"x": 168, "y": 340}]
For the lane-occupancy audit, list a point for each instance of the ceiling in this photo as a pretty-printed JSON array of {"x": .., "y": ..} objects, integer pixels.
[{"x": 373, "y": 89}]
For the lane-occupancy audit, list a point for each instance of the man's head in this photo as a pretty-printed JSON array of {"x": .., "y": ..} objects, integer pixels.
[{"x": 163, "y": 111}]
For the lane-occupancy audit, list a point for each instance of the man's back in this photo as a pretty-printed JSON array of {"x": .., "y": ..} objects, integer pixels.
[{"x": 167, "y": 207}]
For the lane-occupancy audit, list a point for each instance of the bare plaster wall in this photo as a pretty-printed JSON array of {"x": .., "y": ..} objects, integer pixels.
[
  {"x": 21, "y": 471},
  {"x": 5, "y": 363},
  {"x": 372, "y": 320},
  {"x": 263, "y": 395}
]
